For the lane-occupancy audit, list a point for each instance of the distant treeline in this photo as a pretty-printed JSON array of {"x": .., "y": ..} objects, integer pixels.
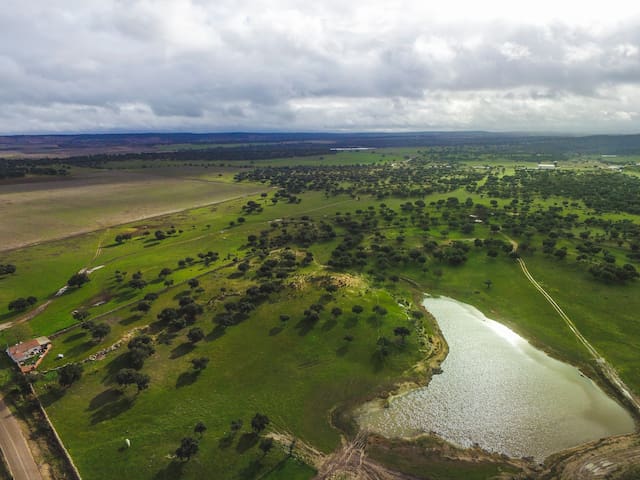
[
  {"x": 17, "y": 170},
  {"x": 451, "y": 146},
  {"x": 216, "y": 154}
]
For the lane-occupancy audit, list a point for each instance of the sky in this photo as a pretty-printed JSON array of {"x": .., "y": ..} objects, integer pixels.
[{"x": 331, "y": 65}]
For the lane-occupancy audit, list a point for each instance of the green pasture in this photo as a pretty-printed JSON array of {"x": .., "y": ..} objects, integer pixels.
[
  {"x": 293, "y": 372},
  {"x": 43, "y": 269}
]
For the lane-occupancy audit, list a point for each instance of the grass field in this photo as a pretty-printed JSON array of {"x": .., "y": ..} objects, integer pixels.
[
  {"x": 89, "y": 200},
  {"x": 294, "y": 371},
  {"x": 295, "y": 374}
]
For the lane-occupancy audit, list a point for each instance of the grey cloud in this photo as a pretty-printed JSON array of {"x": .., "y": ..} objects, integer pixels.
[{"x": 67, "y": 66}]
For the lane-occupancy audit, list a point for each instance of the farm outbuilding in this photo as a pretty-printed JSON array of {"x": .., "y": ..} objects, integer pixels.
[{"x": 24, "y": 351}]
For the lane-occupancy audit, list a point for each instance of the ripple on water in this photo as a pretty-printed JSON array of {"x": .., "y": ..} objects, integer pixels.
[{"x": 498, "y": 391}]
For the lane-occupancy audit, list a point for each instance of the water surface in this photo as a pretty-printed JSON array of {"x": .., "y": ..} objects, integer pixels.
[{"x": 498, "y": 391}]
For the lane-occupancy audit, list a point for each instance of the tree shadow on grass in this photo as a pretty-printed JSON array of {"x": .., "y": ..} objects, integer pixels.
[
  {"x": 378, "y": 361},
  {"x": 74, "y": 337},
  {"x": 81, "y": 348},
  {"x": 329, "y": 324},
  {"x": 112, "y": 410},
  {"x": 226, "y": 441},
  {"x": 100, "y": 400},
  {"x": 130, "y": 319},
  {"x": 342, "y": 351},
  {"x": 7, "y": 316},
  {"x": 351, "y": 322},
  {"x": 275, "y": 331},
  {"x": 157, "y": 326},
  {"x": 374, "y": 321},
  {"x": 171, "y": 471},
  {"x": 277, "y": 467},
  {"x": 215, "y": 333},
  {"x": 304, "y": 326},
  {"x": 51, "y": 396},
  {"x": 115, "y": 365},
  {"x": 124, "y": 297},
  {"x": 183, "y": 293},
  {"x": 247, "y": 440},
  {"x": 182, "y": 350},
  {"x": 166, "y": 338},
  {"x": 187, "y": 378},
  {"x": 251, "y": 470}
]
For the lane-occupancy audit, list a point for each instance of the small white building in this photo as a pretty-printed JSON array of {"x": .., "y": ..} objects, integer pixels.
[
  {"x": 23, "y": 351},
  {"x": 546, "y": 166}
]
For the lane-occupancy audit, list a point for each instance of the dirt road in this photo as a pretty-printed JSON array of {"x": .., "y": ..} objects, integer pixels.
[
  {"x": 15, "y": 448},
  {"x": 605, "y": 368},
  {"x": 25, "y": 318},
  {"x": 351, "y": 462}
]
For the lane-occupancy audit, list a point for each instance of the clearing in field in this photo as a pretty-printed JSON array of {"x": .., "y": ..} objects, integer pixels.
[{"x": 93, "y": 199}]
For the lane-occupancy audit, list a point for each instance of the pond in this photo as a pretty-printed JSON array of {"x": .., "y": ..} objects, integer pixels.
[{"x": 498, "y": 391}]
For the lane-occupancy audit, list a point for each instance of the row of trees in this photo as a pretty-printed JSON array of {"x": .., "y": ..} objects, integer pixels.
[
  {"x": 7, "y": 268},
  {"x": 22, "y": 303}
]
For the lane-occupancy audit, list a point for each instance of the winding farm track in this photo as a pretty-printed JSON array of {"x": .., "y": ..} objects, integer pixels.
[
  {"x": 25, "y": 318},
  {"x": 605, "y": 368},
  {"x": 351, "y": 461}
]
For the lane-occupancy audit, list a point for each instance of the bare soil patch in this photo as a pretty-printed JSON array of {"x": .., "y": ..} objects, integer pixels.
[
  {"x": 608, "y": 458},
  {"x": 36, "y": 212}
]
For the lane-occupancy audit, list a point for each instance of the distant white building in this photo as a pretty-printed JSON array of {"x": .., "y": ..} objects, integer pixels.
[{"x": 546, "y": 166}]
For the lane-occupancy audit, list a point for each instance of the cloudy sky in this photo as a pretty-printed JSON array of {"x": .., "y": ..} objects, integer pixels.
[{"x": 191, "y": 65}]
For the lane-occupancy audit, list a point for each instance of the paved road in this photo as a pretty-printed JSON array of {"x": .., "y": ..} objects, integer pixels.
[{"x": 15, "y": 448}]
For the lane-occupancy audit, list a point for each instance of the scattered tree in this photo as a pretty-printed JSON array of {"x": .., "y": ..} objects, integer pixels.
[
  {"x": 69, "y": 374},
  {"x": 259, "y": 422},
  {"x": 164, "y": 272},
  {"x": 137, "y": 283},
  {"x": 100, "y": 331},
  {"x": 187, "y": 449},
  {"x": 195, "y": 334},
  {"x": 7, "y": 269},
  {"x": 200, "y": 428},
  {"x": 236, "y": 425},
  {"x": 199, "y": 363},
  {"x": 20, "y": 304},
  {"x": 401, "y": 332},
  {"x": 80, "y": 315},
  {"x": 78, "y": 279},
  {"x": 143, "y": 307},
  {"x": 266, "y": 445}
]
